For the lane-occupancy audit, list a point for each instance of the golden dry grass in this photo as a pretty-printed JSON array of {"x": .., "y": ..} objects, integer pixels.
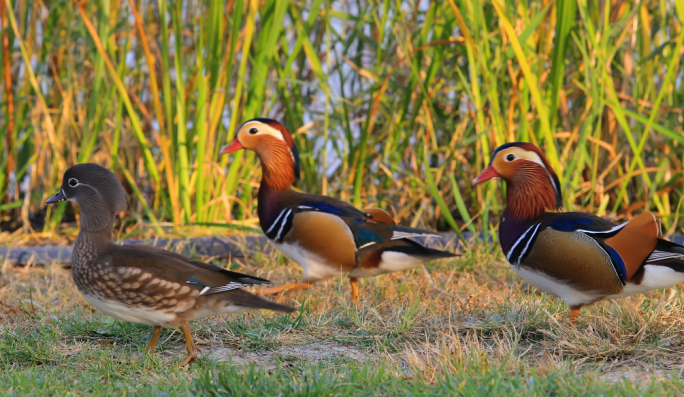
[{"x": 469, "y": 314}]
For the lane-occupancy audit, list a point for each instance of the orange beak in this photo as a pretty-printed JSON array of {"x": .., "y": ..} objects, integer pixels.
[
  {"x": 234, "y": 146},
  {"x": 486, "y": 175}
]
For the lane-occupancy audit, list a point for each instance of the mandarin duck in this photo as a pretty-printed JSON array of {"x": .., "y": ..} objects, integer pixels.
[
  {"x": 325, "y": 236},
  {"x": 139, "y": 283},
  {"x": 578, "y": 257}
]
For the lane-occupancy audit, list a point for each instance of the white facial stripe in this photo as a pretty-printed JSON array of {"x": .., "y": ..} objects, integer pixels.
[
  {"x": 530, "y": 156},
  {"x": 534, "y": 157},
  {"x": 526, "y": 155},
  {"x": 264, "y": 129}
]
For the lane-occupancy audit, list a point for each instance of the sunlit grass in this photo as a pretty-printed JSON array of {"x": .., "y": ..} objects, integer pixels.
[{"x": 471, "y": 328}]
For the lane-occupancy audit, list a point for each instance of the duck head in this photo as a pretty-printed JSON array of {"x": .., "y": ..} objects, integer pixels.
[
  {"x": 96, "y": 190},
  {"x": 533, "y": 187},
  {"x": 274, "y": 146}
]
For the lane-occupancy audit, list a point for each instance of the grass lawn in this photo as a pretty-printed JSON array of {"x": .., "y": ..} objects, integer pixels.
[{"x": 467, "y": 326}]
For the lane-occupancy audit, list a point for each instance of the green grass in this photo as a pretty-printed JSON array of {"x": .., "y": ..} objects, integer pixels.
[{"x": 469, "y": 328}]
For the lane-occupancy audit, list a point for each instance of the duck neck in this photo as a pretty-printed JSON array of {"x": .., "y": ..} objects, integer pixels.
[
  {"x": 101, "y": 237},
  {"x": 278, "y": 168},
  {"x": 530, "y": 194},
  {"x": 96, "y": 220},
  {"x": 268, "y": 207},
  {"x": 96, "y": 230},
  {"x": 89, "y": 245}
]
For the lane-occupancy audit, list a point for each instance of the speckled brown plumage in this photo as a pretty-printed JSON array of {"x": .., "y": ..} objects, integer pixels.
[{"x": 139, "y": 283}]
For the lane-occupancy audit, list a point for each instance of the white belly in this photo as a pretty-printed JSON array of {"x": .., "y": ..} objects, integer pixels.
[
  {"x": 123, "y": 312},
  {"x": 570, "y": 296},
  {"x": 315, "y": 268},
  {"x": 390, "y": 261},
  {"x": 655, "y": 277}
]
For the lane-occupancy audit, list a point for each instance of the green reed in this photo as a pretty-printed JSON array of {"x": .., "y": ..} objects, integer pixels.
[{"x": 396, "y": 104}]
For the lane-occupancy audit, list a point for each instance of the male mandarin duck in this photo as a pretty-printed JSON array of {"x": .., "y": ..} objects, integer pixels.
[
  {"x": 139, "y": 283},
  {"x": 578, "y": 257},
  {"x": 325, "y": 236}
]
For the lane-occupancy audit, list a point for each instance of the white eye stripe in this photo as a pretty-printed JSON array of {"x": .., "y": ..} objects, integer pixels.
[
  {"x": 268, "y": 130},
  {"x": 536, "y": 159},
  {"x": 265, "y": 129},
  {"x": 528, "y": 155}
]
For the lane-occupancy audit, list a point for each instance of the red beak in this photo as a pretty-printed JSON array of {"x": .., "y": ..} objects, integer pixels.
[
  {"x": 233, "y": 147},
  {"x": 486, "y": 175}
]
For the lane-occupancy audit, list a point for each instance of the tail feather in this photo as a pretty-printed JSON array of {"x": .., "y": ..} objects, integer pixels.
[
  {"x": 251, "y": 301},
  {"x": 245, "y": 278},
  {"x": 435, "y": 253},
  {"x": 405, "y": 232},
  {"x": 666, "y": 251},
  {"x": 413, "y": 248}
]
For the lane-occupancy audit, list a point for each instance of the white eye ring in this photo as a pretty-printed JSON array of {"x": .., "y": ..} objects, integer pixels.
[
  {"x": 510, "y": 157},
  {"x": 73, "y": 182}
]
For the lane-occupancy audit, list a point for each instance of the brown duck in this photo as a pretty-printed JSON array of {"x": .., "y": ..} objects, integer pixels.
[{"x": 143, "y": 284}]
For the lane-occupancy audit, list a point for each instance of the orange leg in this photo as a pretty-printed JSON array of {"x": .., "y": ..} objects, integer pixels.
[
  {"x": 189, "y": 344},
  {"x": 155, "y": 337},
  {"x": 574, "y": 314},
  {"x": 354, "y": 282},
  {"x": 283, "y": 288}
]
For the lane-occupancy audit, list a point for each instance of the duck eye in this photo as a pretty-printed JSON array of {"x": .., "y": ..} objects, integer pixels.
[
  {"x": 510, "y": 157},
  {"x": 73, "y": 182},
  {"x": 253, "y": 131}
]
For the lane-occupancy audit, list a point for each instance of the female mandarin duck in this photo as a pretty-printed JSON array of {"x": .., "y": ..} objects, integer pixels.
[
  {"x": 140, "y": 283},
  {"x": 575, "y": 256},
  {"x": 326, "y": 236}
]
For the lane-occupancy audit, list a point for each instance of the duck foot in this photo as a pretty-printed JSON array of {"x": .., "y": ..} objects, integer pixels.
[
  {"x": 354, "y": 283},
  {"x": 153, "y": 340},
  {"x": 189, "y": 344},
  {"x": 574, "y": 315}
]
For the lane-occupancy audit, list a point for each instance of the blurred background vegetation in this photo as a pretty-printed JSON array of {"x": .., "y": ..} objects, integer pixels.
[{"x": 395, "y": 104}]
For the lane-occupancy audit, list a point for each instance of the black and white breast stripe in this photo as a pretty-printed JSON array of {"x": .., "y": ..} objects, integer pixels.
[
  {"x": 519, "y": 250},
  {"x": 281, "y": 226}
]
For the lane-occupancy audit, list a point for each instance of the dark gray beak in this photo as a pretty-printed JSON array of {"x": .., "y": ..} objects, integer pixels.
[{"x": 57, "y": 198}]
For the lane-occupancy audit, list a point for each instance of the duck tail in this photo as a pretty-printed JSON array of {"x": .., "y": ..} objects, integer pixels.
[
  {"x": 255, "y": 302},
  {"x": 667, "y": 253}
]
